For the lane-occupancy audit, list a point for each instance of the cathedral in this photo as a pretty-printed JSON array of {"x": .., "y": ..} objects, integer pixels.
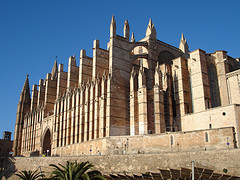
[{"x": 133, "y": 97}]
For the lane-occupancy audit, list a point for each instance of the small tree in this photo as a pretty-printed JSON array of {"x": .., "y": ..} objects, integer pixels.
[
  {"x": 29, "y": 175},
  {"x": 75, "y": 171}
]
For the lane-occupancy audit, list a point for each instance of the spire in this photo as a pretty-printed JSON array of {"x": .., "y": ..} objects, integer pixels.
[
  {"x": 150, "y": 23},
  {"x": 26, "y": 85},
  {"x": 25, "y": 94},
  {"x": 183, "y": 38},
  {"x": 151, "y": 31},
  {"x": 133, "y": 37},
  {"x": 22, "y": 110},
  {"x": 126, "y": 30},
  {"x": 54, "y": 71},
  {"x": 183, "y": 46},
  {"x": 113, "y": 27}
]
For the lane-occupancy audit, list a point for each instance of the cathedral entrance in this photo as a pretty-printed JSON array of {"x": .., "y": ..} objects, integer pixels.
[{"x": 47, "y": 144}]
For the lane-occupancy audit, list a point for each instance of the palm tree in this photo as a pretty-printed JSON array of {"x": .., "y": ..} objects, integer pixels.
[
  {"x": 29, "y": 175},
  {"x": 75, "y": 171}
]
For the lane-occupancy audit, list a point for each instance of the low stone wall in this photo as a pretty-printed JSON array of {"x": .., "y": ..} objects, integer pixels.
[
  {"x": 208, "y": 139},
  {"x": 138, "y": 163}
]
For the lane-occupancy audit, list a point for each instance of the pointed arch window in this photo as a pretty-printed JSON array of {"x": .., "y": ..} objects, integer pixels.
[{"x": 214, "y": 87}]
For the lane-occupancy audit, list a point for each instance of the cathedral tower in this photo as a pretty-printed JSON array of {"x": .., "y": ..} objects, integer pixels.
[{"x": 22, "y": 109}]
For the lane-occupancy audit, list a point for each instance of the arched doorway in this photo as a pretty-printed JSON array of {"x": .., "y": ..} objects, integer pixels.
[{"x": 47, "y": 143}]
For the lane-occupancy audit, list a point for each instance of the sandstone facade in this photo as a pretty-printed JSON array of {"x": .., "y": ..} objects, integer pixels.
[{"x": 186, "y": 100}]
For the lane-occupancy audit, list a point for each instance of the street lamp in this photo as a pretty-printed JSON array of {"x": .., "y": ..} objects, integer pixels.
[{"x": 193, "y": 162}]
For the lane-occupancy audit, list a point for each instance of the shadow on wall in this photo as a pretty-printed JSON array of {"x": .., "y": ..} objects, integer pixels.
[
  {"x": 34, "y": 153},
  {"x": 7, "y": 167}
]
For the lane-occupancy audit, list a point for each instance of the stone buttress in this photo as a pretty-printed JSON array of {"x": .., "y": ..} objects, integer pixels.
[{"x": 130, "y": 88}]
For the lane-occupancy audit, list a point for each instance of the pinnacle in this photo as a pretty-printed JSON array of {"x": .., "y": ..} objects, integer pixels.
[
  {"x": 150, "y": 24},
  {"x": 26, "y": 84},
  {"x": 126, "y": 30},
  {"x": 183, "y": 38},
  {"x": 133, "y": 37},
  {"x": 113, "y": 20},
  {"x": 113, "y": 27},
  {"x": 25, "y": 94},
  {"x": 126, "y": 24},
  {"x": 183, "y": 44},
  {"x": 151, "y": 31},
  {"x": 54, "y": 70}
]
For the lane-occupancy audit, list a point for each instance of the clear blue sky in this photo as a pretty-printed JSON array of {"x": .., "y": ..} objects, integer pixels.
[{"x": 33, "y": 32}]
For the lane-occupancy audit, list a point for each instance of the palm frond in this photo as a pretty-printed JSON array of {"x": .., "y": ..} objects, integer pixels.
[
  {"x": 75, "y": 171},
  {"x": 29, "y": 175}
]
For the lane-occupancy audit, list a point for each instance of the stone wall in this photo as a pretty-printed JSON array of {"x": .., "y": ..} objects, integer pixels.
[
  {"x": 138, "y": 163},
  {"x": 166, "y": 142},
  {"x": 213, "y": 118}
]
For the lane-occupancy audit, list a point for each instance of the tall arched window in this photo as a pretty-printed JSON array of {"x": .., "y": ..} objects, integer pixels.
[{"x": 214, "y": 88}]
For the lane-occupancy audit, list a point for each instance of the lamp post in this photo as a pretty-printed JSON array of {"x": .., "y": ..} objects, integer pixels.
[{"x": 193, "y": 170}]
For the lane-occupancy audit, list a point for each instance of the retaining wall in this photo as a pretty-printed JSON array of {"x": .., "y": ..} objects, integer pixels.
[{"x": 138, "y": 163}]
